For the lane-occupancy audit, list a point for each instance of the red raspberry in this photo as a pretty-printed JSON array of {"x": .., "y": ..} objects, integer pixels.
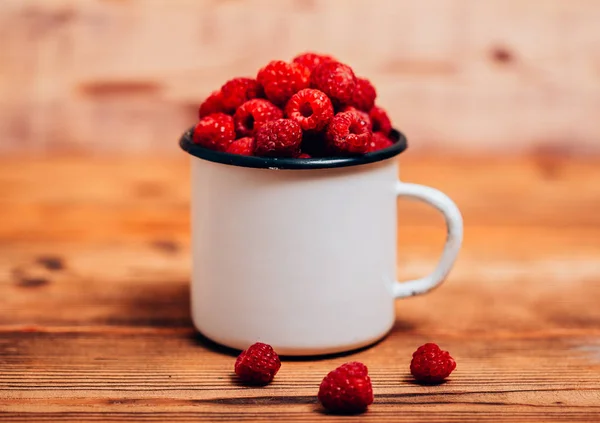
[
  {"x": 347, "y": 389},
  {"x": 214, "y": 131},
  {"x": 349, "y": 134},
  {"x": 212, "y": 104},
  {"x": 379, "y": 142},
  {"x": 312, "y": 60},
  {"x": 363, "y": 115},
  {"x": 363, "y": 97},
  {"x": 303, "y": 156},
  {"x": 282, "y": 80},
  {"x": 239, "y": 90},
  {"x": 257, "y": 365},
  {"x": 243, "y": 146},
  {"x": 281, "y": 137},
  {"x": 252, "y": 114},
  {"x": 336, "y": 80},
  {"x": 312, "y": 109},
  {"x": 381, "y": 121},
  {"x": 431, "y": 365}
]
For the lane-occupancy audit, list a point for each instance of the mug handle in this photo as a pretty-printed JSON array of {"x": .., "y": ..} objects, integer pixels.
[{"x": 454, "y": 223}]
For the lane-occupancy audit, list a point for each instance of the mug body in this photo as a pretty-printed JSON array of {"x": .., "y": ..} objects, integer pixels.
[{"x": 304, "y": 260}]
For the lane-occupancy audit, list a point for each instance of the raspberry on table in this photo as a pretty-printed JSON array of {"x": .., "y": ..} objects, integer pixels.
[
  {"x": 281, "y": 137},
  {"x": 311, "y": 108},
  {"x": 336, "y": 80},
  {"x": 312, "y": 60},
  {"x": 281, "y": 80},
  {"x": 349, "y": 134},
  {"x": 243, "y": 146},
  {"x": 257, "y": 365},
  {"x": 252, "y": 114},
  {"x": 214, "y": 131},
  {"x": 363, "y": 97},
  {"x": 379, "y": 141},
  {"x": 364, "y": 115},
  {"x": 431, "y": 365},
  {"x": 212, "y": 104},
  {"x": 381, "y": 121},
  {"x": 347, "y": 389},
  {"x": 237, "y": 91}
]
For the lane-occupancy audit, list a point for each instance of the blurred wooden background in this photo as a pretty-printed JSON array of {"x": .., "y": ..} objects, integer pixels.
[{"x": 458, "y": 76}]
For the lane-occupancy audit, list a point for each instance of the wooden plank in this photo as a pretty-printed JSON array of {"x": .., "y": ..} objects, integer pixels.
[
  {"x": 179, "y": 377},
  {"x": 133, "y": 198},
  {"x": 132, "y": 284},
  {"x": 95, "y": 325},
  {"x": 456, "y": 75}
]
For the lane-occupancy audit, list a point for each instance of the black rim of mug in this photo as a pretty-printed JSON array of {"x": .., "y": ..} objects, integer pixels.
[{"x": 276, "y": 163}]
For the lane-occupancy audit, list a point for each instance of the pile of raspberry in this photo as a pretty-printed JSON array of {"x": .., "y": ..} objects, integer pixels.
[{"x": 314, "y": 106}]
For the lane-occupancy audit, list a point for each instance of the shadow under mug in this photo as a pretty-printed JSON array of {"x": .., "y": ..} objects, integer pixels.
[{"x": 301, "y": 253}]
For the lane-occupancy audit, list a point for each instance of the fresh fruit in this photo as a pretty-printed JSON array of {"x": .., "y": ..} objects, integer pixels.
[
  {"x": 303, "y": 156},
  {"x": 381, "y": 121},
  {"x": 431, "y": 365},
  {"x": 212, "y": 104},
  {"x": 321, "y": 108},
  {"x": 311, "y": 108},
  {"x": 252, "y": 114},
  {"x": 281, "y": 138},
  {"x": 363, "y": 97},
  {"x": 346, "y": 389},
  {"x": 214, "y": 131},
  {"x": 257, "y": 365},
  {"x": 364, "y": 115},
  {"x": 312, "y": 60},
  {"x": 336, "y": 80},
  {"x": 281, "y": 80},
  {"x": 243, "y": 146},
  {"x": 379, "y": 141},
  {"x": 349, "y": 134},
  {"x": 237, "y": 91}
]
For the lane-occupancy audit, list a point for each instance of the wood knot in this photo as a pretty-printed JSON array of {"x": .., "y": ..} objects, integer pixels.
[
  {"x": 30, "y": 277},
  {"x": 502, "y": 55},
  {"x": 37, "y": 273},
  {"x": 51, "y": 262},
  {"x": 166, "y": 246}
]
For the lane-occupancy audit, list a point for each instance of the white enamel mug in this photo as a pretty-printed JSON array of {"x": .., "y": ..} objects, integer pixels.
[{"x": 301, "y": 253}]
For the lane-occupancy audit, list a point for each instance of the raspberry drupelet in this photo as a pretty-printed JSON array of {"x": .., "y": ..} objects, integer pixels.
[
  {"x": 380, "y": 120},
  {"x": 312, "y": 60},
  {"x": 257, "y": 365},
  {"x": 243, "y": 146},
  {"x": 214, "y": 131},
  {"x": 281, "y": 80},
  {"x": 311, "y": 108},
  {"x": 363, "y": 115},
  {"x": 363, "y": 97},
  {"x": 254, "y": 113},
  {"x": 379, "y": 142},
  {"x": 348, "y": 134},
  {"x": 212, "y": 104},
  {"x": 279, "y": 138},
  {"x": 237, "y": 91},
  {"x": 431, "y": 365},
  {"x": 347, "y": 389},
  {"x": 336, "y": 80}
]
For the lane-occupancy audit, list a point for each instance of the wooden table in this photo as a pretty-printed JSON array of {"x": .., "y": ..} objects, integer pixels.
[{"x": 94, "y": 313}]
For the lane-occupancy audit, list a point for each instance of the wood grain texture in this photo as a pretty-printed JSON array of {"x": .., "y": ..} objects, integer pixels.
[
  {"x": 94, "y": 304},
  {"x": 466, "y": 76}
]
